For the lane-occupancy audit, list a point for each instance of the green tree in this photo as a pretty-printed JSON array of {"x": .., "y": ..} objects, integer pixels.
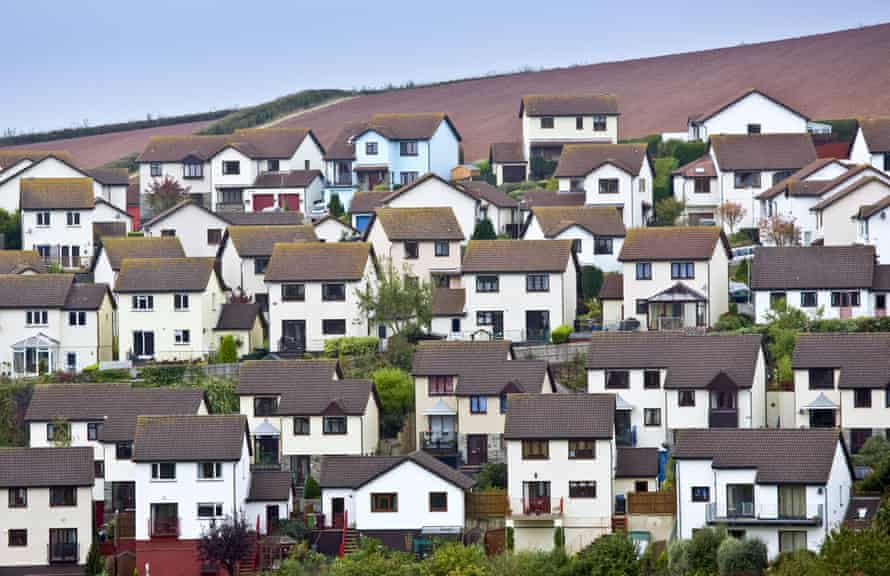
[
  {"x": 667, "y": 210},
  {"x": 702, "y": 550},
  {"x": 741, "y": 272},
  {"x": 484, "y": 230},
  {"x": 396, "y": 301},
  {"x": 560, "y": 334},
  {"x": 335, "y": 207},
  {"x": 492, "y": 475},
  {"x": 612, "y": 555},
  {"x": 661, "y": 187},
  {"x": 220, "y": 392},
  {"x": 591, "y": 282},
  {"x": 798, "y": 563},
  {"x": 873, "y": 452},
  {"x": 855, "y": 553},
  {"x": 166, "y": 193},
  {"x": 395, "y": 388},
  {"x": 311, "y": 489},
  {"x": 228, "y": 349},
  {"x": 742, "y": 557},
  {"x": 94, "y": 566},
  {"x": 11, "y": 229},
  {"x": 455, "y": 559}
]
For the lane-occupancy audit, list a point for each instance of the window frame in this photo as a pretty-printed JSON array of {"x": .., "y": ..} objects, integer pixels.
[
  {"x": 298, "y": 287},
  {"x": 700, "y": 493},
  {"x": 683, "y": 398},
  {"x": 537, "y": 282},
  {"x": 384, "y": 502},
  {"x": 123, "y": 450},
  {"x": 214, "y": 236},
  {"x": 333, "y": 326},
  {"x": 582, "y": 449},
  {"x": 44, "y": 220},
  {"x": 603, "y": 245},
  {"x": 155, "y": 170},
  {"x": 585, "y": 489},
  {"x": 328, "y": 296},
  {"x": 217, "y": 475},
  {"x": 607, "y": 186},
  {"x": 600, "y": 122},
  {"x": 655, "y": 414},
  {"x": 304, "y": 428},
  {"x": 643, "y": 270},
  {"x": 260, "y": 265},
  {"x": 13, "y": 500},
  {"x": 409, "y": 148},
  {"x": 59, "y": 496},
  {"x": 822, "y": 375},
  {"x": 680, "y": 270},
  {"x": 862, "y": 398},
  {"x": 478, "y": 405},
  {"x": 701, "y": 185},
  {"x": 371, "y": 149},
  {"x": 412, "y": 249},
  {"x": 231, "y": 167},
  {"x": 621, "y": 379},
  {"x": 93, "y": 429},
  {"x": 648, "y": 376},
  {"x": 158, "y": 471},
  {"x": 806, "y": 295},
  {"x": 142, "y": 303},
  {"x": 181, "y": 301},
  {"x": 182, "y": 337},
  {"x": 192, "y": 170},
  {"x": 488, "y": 283},
  {"x": 328, "y": 428},
  {"x": 265, "y": 401},
  {"x": 217, "y": 510},
  {"x": 531, "y": 449},
  {"x": 22, "y": 538},
  {"x": 741, "y": 179},
  {"x": 441, "y": 506},
  {"x": 442, "y": 248},
  {"x": 440, "y": 385},
  {"x": 77, "y": 318},
  {"x": 72, "y": 218},
  {"x": 547, "y": 123}
]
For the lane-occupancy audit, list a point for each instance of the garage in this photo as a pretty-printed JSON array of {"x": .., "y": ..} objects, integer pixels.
[
  {"x": 263, "y": 201},
  {"x": 514, "y": 173},
  {"x": 289, "y": 202}
]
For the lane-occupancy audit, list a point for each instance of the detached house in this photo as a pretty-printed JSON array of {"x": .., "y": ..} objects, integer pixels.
[
  {"x": 787, "y": 488},
  {"x": 695, "y": 185},
  {"x": 751, "y": 112},
  {"x": 496, "y": 206},
  {"x": 871, "y": 145},
  {"x": 597, "y": 233},
  {"x": 113, "y": 251},
  {"x": 199, "y": 230},
  {"x": 837, "y": 216}
]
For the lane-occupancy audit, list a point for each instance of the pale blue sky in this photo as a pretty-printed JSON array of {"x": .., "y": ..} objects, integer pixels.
[{"x": 113, "y": 60}]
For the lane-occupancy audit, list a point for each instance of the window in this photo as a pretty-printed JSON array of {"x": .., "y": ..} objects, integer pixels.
[
  {"x": 608, "y": 185},
  {"x": 546, "y": 122},
  {"x": 193, "y": 170},
  {"x": 371, "y": 148},
  {"x": 576, "y": 184},
  {"x": 168, "y": 233},
  {"x": 753, "y": 128},
  {"x": 36, "y": 317},
  {"x": 702, "y": 185},
  {"x": 438, "y": 501},
  {"x": 209, "y": 470},
  {"x": 182, "y": 337},
  {"x": 231, "y": 167},
  {"x": 641, "y": 486},
  {"x": 384, "y": 502},
  {"x": 455, "y": 325},
  {"x": 535, "y": 450},
  {"x": 301, "y": 426},
  {"x": 441, "y": 385},
  {"x": 747, "y": 179},
  {"x": 686, "y": 398},
  {"x": 43, "y": 219},
  {"x": 487, "y": 318},
  {"x": 652, "y": 416},
  {"x": 58, "y": 432},
  {"x": 406, "y": 178},
  {"x": 642, "y": 185},
  {"x": 180, "y": 301},
  {"x": 599, "y": 122},
  {"x": 273, "y": 165},
  {"x": 642, "y": 306},
  {"x": 411, "y": 250},
  {"x": 293, "y": 292},
  {"x": 862, "y": 398},
  {"x": 821, "y": 378},
  {"x": 143, "y": 302},
  {"x": 214, "y": 236},
  {"x": 777, "y": 300},
  {"x": 503, "y": 402},
  {"x": 886, "y": 161},
  {"x": 701, "y": 493},
  {"x": 123, "y": 450},
  {"x": 231, "y": 196},
  {"x": 739, "y": 500},
  {"x": 617, "y": 379},
  {"x": 71, "y": 361},
  {"x": 682, "y": 270},
  {"x": 93, "y": 430},
  {"x": 487, "y": 284},
  {"x": 579, "y": 123},
  {"x": 73, "y": 218},
  {"x": 265, "y": 406},
  {"x": 408, "y": 148},
  {"x": 333, "y": 326},
  {"x": 210, "y": 510},
  {"x": 881, "y": 301},
  {"x": 260, "y": 264},
  {"x": 582, "y": 449},
  {"x": 334, "y": 425},
  {"x": 582, "y": 489},
  {"x": 644, "y": 270},
  {"x": 792, "y": 540},
  {"x": 77, "y": 318},
  {"x": 63, "y": 496},
  {"x": 537, "y": 283},
  {"x": 163, "y": 471},
  {"x": 792, "y": 501},
  {"x": 98, "y": 469},
  {"x": 333, "y": 292},
  {"x": 443, "y": 248},
  {"x": 478, "y": 405},
  {"x": 18, "y": 538},
  {"x": 18, "y": 497},
  {"x": 155, "y": 169},
  {"x": 602, "y": 246},
  {"x": 781, "y": 175},
  {"x": 844, "y": 299},
  {"x": 651, "y": 379},
  {"x": 808, "y": 300}
]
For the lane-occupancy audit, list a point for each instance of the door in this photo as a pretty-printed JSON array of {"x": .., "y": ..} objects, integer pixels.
[
  {"x": 289, "y": 202},
  {"x": 374, "y": 178},
  {"x": 497, "y": 325},
  {"x": 300, "y": 468},
  {"x": 272, "y": 519},
  {"x": 63, "y": 545},
  {"x": 293, "y": 335},
  {"x": 514, "y": 173},
  {"x": 536, "y": 497},
  {"x": 143, "y": 344},
  {"x": 338, "y": 507},
  {"x": 262, "y": 201},
  {"x": 477, "y": 449},
  {"x": 537, "y": 325},
  {"x": 623, "y": 431}
]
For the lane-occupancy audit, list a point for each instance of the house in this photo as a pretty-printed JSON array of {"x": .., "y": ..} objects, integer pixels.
[
  {"x": 245, "y": 322},
  {"x": 789, "y": 495},
  {"x": 168, "y": 308},
  {"x": 748, "y": 164},
  {"x": 751, "y": 112},
  {"x": 560, "y": 462},
  {"x": 113, "y": 251},
  {"x": 667, "y": 382},
  {"x": 637, "y": 470},
  {"x": 294, "y": 191},
  {"x": 695, "y": 185},
  {"x": 186, "y": 482},
  {"x": 837, "y": 222},
  {"x": 58, "y": 216},
  {"x": 449, "y": 311},
  {"x": 422, "y": 243},
  {"x": 534, "y": 198},
  {"x": 519, "y": 289},
  {"x": 270, "y": 500},
  {"x": 50, "y": 323},
  {"x": 617, "y": 175},
  {"x": 674, "y": 277},
  {"x": 871, "y": 145},
  {"x": 873, "y": 230},
  {"x": 496, "y": 206},
  {"x": 21, "y": 262},
  {"x": 339, "y": 156},
  {"x": 312, "y": 293},
  {"x": 507, "y": 162},
  {"x": 300, "y": 410},
  {"x": 330, "y": 229},
  {"x": 46, "y": 510},
  {"x": 199, "y": 230},
  {"x": 362, "y": 208},
  {"x": 245, "y": 252},
  {"x": 462, "y": 394},
  {"x": 597, "y": 233},
  {"x": 397, "y": 500}
]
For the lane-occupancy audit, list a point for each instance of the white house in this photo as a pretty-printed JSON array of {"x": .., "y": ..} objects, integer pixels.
[
  {"x": 560, "y": 465},
  {"x": 51, "y": 323},
  {"x": 113, "y": 251},
  {"x": 496, "y": 206},
  {"x": 507, "y": 162},
  {"x": 617, "y": 175},
  {"x": 431, "y": 191},
  {"x": 45, "y": 510},
  {"x": 751, "y": 112},
  {"x": 330, "y": 229},
  {"x": 519, "y": 289},
  {"x": 394, "y": 498},
  {"x": 246, "y": 323},
  {"x": 871, "y": 145},
  {"x": 168, "y": 308},
  {"x": 666, "y": 382},
  {"x": 295, "y": 191},
  {"x": 312, "y": 293},
  {"x": 695, "y": 185},
  {"x": 873, "y": 228},
  {"x": 362, "y": 208},
  {"x": 789, "y": 496},
  {"x": 199, "y": 230},
  {"x": 836, "y": 216},
  {"x": 449, "y": 311},
  {"x": 597, "y": 233}
]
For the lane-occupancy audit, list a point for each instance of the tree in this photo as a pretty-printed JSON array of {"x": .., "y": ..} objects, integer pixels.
[
  {"x": 166, "y": 193},
  {"x": 94, "y": 566},
  {"x": 731, "y": 214},
  {"x": 484, "y": 230},
  {"x": 741, "y": 557},
  {"x": 228, "y": 349},
  {"x": 396, "y": 391},
  {"x": 667, "y": 210},
  {"x": 780, "y": 231},
  {"x": 591, "y": 281},
  {"x": 335, "y": 207},
  {"x": 11, "y": 229},
  {"x": 397, "y": 301},
  {"x": 612, "y": 555},
  {"x": 226, "y": 543},
  {"x": 873, "y": 452},
  {"x": 455, "y": 559},
  {"x": 61, "y": 432},
  {"x": 855, "y": 552}
]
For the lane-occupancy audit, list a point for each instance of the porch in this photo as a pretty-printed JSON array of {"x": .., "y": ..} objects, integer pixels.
[
  {"x": 36, "y": 355},
  {"x": 676, "y": 308},
  {"x": 369, "y": 176}
]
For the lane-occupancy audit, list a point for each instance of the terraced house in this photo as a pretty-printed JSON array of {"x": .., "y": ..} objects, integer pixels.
[{"x": 113, "y": 251}]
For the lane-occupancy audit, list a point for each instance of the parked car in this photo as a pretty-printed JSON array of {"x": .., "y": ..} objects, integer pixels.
[
  {"x": 740, "y": 253},
  {"x": 319, "y": 210}
]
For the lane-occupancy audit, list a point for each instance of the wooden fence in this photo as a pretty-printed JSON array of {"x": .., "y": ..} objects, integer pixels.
[
  {"x": 656, "y": 503},
  {"x": 486, "y": 504}
]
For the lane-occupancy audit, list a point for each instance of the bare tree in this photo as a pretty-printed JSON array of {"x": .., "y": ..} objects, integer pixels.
[
  {"x": 780, "y": 231},
  {"x": 731, "y": 214}
]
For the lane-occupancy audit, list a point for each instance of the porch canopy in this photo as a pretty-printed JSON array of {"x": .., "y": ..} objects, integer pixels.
[
  {"x": 265, "y": 430},
  {"x": 822, "y": 402},
  {"x": 621, "y": 405},
  {"x": 678, "y": 293},
  {"x": 440, "y": 408}
]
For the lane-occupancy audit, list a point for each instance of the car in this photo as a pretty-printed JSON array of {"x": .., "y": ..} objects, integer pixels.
[
  {"x": 319, "y": 210},
  {"x": 740, "y": 253}
]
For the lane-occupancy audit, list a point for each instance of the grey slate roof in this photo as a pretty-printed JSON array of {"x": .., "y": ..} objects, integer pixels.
[
  {"x": 34, "y": 290},
  {"x": 193, "y": 438},
  {"x": 560, "y": 416},
  {"x": 43, "y": 467},
  {"x": 736, "y": 152},
  {"x": 636, "y": 462},
  {"x": 826, "y": 267},
  {"x": 117, "y": 249},
  {"x": 318, "y": 261},
  {"x": 863, "y": 358},
  {"x": 238, "y": 316},
  {"x": 84, "y": 296},
  {"x": 335, "y": 397},
  {"x": 164, "y": 275},
  {"x": 253, "y": 241},
  {"x": 356, "y": 471},
  {"x": 15, "y": 261},
  {"x": 672, "y": 243},
  {"x": 269, "y": 486}
]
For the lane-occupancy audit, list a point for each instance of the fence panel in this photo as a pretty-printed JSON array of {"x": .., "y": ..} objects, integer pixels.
[
  {"x": 651, "y": 503},
  {"x": 486, "y": 504}
]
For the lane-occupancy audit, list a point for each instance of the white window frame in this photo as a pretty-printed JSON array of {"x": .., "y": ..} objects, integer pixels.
[
  {"x": 156, "y": 472},
  {"x": 143, "y": 302},
  {"x": 181, "y": 302},
  {"x": 182, "y": 337}
]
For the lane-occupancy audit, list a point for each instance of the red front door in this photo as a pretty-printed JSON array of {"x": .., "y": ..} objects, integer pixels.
[
  {"x": 477, "y": 449},
  {"x": 290, "y": 202},
  {"x": 261, "y": 201},
  {"x": 374, "y": 178}
]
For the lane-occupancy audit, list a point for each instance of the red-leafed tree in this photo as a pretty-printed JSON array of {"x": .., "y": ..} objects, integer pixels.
[
  {"x": 166, "y": 193},
  {"x": 226, "y": 543}
]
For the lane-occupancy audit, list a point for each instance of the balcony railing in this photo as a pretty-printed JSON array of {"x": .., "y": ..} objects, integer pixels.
[
  {"x": 63, "y": 552},
  {"x": 750, "y": 513},
  {"x": 294, "y": 345},
  {"x": 440, "y": 442},
  {"x": 536, "y": 506},
  {"x": 723, "y": 418},
  {"x": 669, "y": 323},
  {"x": 163, "y": 527}
]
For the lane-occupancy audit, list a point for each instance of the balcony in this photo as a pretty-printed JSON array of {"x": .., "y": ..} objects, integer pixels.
[
  {"x": 438, "y": 442},
  {"x": 536, "y": 508},
  {"x": 291, "y": 346},
  {"x": 723, "y": 419},
  {"x": 63, "y": 552},
  {"x": 163, "y": 527},
  {"x": 747, "y": 513}
]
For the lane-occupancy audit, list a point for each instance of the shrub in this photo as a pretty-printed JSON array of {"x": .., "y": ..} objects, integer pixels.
[
  {"x": 374, "y": 559},
  {"x": 667, "y": 210},
  {"x": 611, "y": 555},
  {"x": 396, "y": 392},
  {"x": 455, "y": 559},
  {"x": 798, "y": 563},
  {"x": 221, "y": 397},
  {"x": 560, "y": 334},
  {"x": 311, "y": 489},
  {"x": 484, "y": 230},
  {"x": 741, "y": 557},
  {"x": 335, "y": 207},
  {"x": 741, "y": 272},
  {"x": 542, "y": 168},
  {"x": 873, "y": 452},
  {"x": 591, "y": 282},
  {"x": 94, "y": 566},
  {"x": 730, "y": 322},
  {"x": 559, "y": 538},
  {"x": 678, "y": 558},
  {"x": 228, "y": 350},
  {"x": 492, "y": 475},
  {"x": 702, "y": 551},
  {"x": 267, "y": 111},
  {"x": 661, "y": 186},
  {"x": 351, "y": 346},
  {"x": 855, "y": 552},
  {"x": 510, "y": 538},
  {"x": 528, "y": 564}
]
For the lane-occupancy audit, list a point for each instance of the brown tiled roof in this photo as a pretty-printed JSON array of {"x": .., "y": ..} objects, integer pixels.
[
  {"x": 882, "y": 278},
  {"x": 278, "y": 218},
  {"x": 253, "y": 241},
  {"x": 863, "y": 358},
  {"x": 110, "y": 176},
  {"x": 598, "y": 220},
  {"x": 517, "y": 256},
  {"x": 164, "y": 275},
  {"x": 342, "y": 147},
  {"x": 30, "y": 290},
  {"x": 579, "y": 160},
  {"x": 636, "y": 462},
  {"x": 356, "y": 471},
  {"x": 795, "y": 267},
  {"x": 269, "y": 486},
  {"x": 140, "y": 247},
  {"x": 12, "y": 156},
  {"x": 422, "y": 180},
  {"x": 714, "y": 110},
  {"x": 407, "y": 126},
  {"x": 702, "y": 167},
  {"x": 84, "y": 296},
  {"x": 531, "y": 198},
  {"x": 292, "y": 179},
  {"x": 691, "y": 362},
  {"x": 44, "y": 467},
  {"x": 796, "y": 186},
  {"x": 108, "y": 230},
  {"x": 15, "y": 261},
  {"x": 736, "y": 152},
  {"x": 780, "y": 456},
  {"x": 612, "y": 287},
  {"x": 238, "y": 316},
  {"x": 506, "y": 153},
  {"x": 160, "y": 216},
  {"x": 337, "y": 397},
  {"x": 277, "y": 377},
  {"x": 877, "y": 133},
  {"x": 843, "y": 193},
  {"x": 434, "y": 223},
  {"x": 256, "y": 143},
  {"x": 492, "y": 194},
  {"x": 365, "y": 202},
  {"x": 192, "y": 438},
  {"x": 318, "y": 261},
  {"x": 869, "y": 210},
  {"x": 560, "y": 416},
  {"x": 449, "y": 301},
  {"x": 672, "y": 243},
  {"x": 568, "y": 104},
  {"x": 56, "y": 193}
]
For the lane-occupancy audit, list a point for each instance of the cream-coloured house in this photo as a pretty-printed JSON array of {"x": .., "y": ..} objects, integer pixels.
[
  {"x": 674, "y": 277},
  {"x": 597, "y": 233},
  {"x": 836, "y": 215},
  {"x": 168, "y": 308},
  {"x": 751, "y": 112},
  {"x": 245, "y": 322},
  {"x": 871, "y": 145},
  {"x": 113, "y": 251}
]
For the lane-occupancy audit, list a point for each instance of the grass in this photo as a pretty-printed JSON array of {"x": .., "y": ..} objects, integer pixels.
[{"x": 273, "y": 110}]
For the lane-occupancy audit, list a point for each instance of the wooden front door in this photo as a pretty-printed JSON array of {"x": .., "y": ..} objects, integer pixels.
[
  {"x": 272, "y": 519},
  {"x": 477, "y": 449},
  {"x": 374, "y": 178},
  {"x": 338, "y": 507}
]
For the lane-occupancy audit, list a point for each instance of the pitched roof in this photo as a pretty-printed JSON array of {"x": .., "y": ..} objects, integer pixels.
[
  {"x": 256, "y": 143},
  {"x": 861, "y": 511},
  {"x": 736, "y": 152},
  {"x": 568, "y": 104},
  {"x": 702, "y": 167},
  {"x": 271, "y": 218},
  {"x": 795, "y": 267},
  {"x": 492, "y": 194},
  {"x": 506, "y": 153},
  {"x": 16, "y": 261},
  {"x": 269, "y": 486},
  {"x": 291, "y": 179},
  {"x": 342, "y": 148},
  {"x": 691, "y": 362},
  {"x": 877, "y": 133},
  {"x": 164, "y": 214},
  {"x": 612, "y": 287},
  {"x": 85, "y": 296},
  {"x": 315, "y": 398},
  {"x": 407, "y": 126},
  {"x": 192, "y": 438},
  {"x": 579, "y": 160},
  {"x": 56, "y": 193},
  {"x": 110, "y": 176},
  {"x": 116, "y": 249},
  {"x": 560, "y": 416},
  {"x": 636, "y": 462},
  {"x": 672, "y": 243},
  {"x": 164, "y": 275},
  {"x": 422, "y": 180},
  {"x": 798, "y": 184},
  {"x": 44, "y": 467},
  {"x": 869, "y": 210},
  {"x": 11, "y": 156},
  {"x": 437, "y": 223},
  {"x": 846, "y": 191},
  {"x": 780, "y": 456},
  {"x": 517, "y": 256},
  {"x": 449, "y": 301},
  {"x": 365, "y": 202},
  {"x": 356, "y": 471},
  {"x": 108, "y": 230},
  {"x": 253, "y": 241},
  {"x": 238, "y": 316},
  {"x": 317, "y": 261},
  {"x": 881, "y": 279},
  {"x": 277, "y": 377},
  {"x": 531, "y": 198},
  {"x": 863, "y": 358},
  {"x": 29, "y": 290},
  {"x": 598, "y": 220},
  {"x": 716, "y": 109}
]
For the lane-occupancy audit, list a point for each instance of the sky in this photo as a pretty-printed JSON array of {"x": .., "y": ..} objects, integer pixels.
[{"x": 70, "y": 63}]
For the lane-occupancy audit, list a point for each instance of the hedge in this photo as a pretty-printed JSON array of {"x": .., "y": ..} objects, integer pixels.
[{"x": 351, "y": 346}]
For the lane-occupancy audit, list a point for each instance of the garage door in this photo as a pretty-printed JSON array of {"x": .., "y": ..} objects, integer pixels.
[
  {"x": 261, "y": 201},
  {"x": 289, "y": 201},
  {"x": 514, "y": 173}
]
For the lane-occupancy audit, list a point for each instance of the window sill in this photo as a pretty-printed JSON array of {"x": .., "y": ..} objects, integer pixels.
[
  {"x": 334, "y": 433},
  {"x": 182, "y": 343},
  {"x": 142, "y": 310},
  {"x": 209, "y": 479},
  {"x": 163, "y": 480}
]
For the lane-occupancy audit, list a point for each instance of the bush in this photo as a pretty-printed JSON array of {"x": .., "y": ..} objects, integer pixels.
[
  {"x": 611, "y": 555},
  {"x": 798, "y": 563},
  {"x": 335, "y": 207},
  {"x": 268, "y": 111},
  {"x": 730, "y": 322},
  {"x": 396, "y": 392},
  {"x": 858, "y": 552},
  {"x": 873, "y": 452},
  {"x": 168, "y": 375},
  {"x": 228, "y": 350},
  {"x": 542, "y": 168},
  {"x": 702, "y": 551},
  {"x": 741, "y": 272},
  {"x": 351, "y": 346},
  {"x": 528, "y": 564},
  {"x": 455, "y": 559},
  {"x": 311, "y": 489},
  {"x": 560, "y": 334},
  {"x": 492, "y": 475},
  {"x": 591, "y": 282},
  {"x": 220, "y": 393},
  {"x": 94, "y": 566},
  {"x": 661, "y": 186},
  {"x": 374, "y": 559},
  {"x": 741, "y": 557},
  {"x": 400, "y": 353},
  {"x": 484, "y": 230},
  {"x": 678, "y": 558},
  {"x": 667, "y": 210}
]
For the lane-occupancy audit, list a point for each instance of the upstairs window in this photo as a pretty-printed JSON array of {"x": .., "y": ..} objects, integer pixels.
[
  {"x": 231, "y": 167},
  {"x": 608, "y": 185},
  {"x": 644, "y": 270},
  {"x": 36, "y": 317},
  {"x": 411, "y": 250},
  {"x": 333, "y": 292},
  {"x": 73, "y": 218},
  {"x": 617, "y": 379},
  {"x": 682, "y": 270},
  {"x": 293, "y": 292},
  {"x": 599, "y": 122},
  {"x": 487, "y": 284},
  {"x": 701, "y": 493},
  {"x": 301, "y": 426},
  {"x": 821, "y": 378},
  {"x": 443, "y": 248},
  {"x": 478, "y": 405},
  {"x": 93, "y": 430},
  {"x": 260, "y": 264},
  {"x": 579, "y": 123},
  {"x": 334, "y": 425},
  {"x": 123, "y": 450},
  {"x": 155, "y": 169},
  {"x": 273, "y": 165},
  {"x": 537, "y": 283},
  {"x": 547, "y": 122},
  {"x": 18, "y": 498},
  {"x": 408, "y": 148},
  {"x": 845, "y": 299},
  {"x": 180, "y": 301},
  {"x": 193, "y": 170},
  {"x": 143, "y": 302},
  {"x": 781, "y": 175},
  {"x": 651, "y": 379},
  {"x": 163, "y": 471},
  {"x": 753, "y": 128},
  {"x": 535, "y": 450},
  {"x": 686, "y": 398},
  {"x": 63, "y": 496},
  {"x": 582, "y": 449},
  {"x": 602, "y": 246},
  {"x": 862, "y": 398},
  {"x": 214, "y": 236},
  {"x": 209, "y": 470},
  {"x": 747, "y": 180},
  {"x": 371, "y": 148},
  {"x": 440, "y": 385},
  {"x": 43, "y": 218},
  {"x": 702, "y": 185},
  {"x": 265, "y": 406},
  {"x": 808, "y": 299}
]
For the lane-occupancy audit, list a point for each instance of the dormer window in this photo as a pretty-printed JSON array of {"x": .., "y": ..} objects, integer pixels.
[{"x": 192, "y": 169}]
